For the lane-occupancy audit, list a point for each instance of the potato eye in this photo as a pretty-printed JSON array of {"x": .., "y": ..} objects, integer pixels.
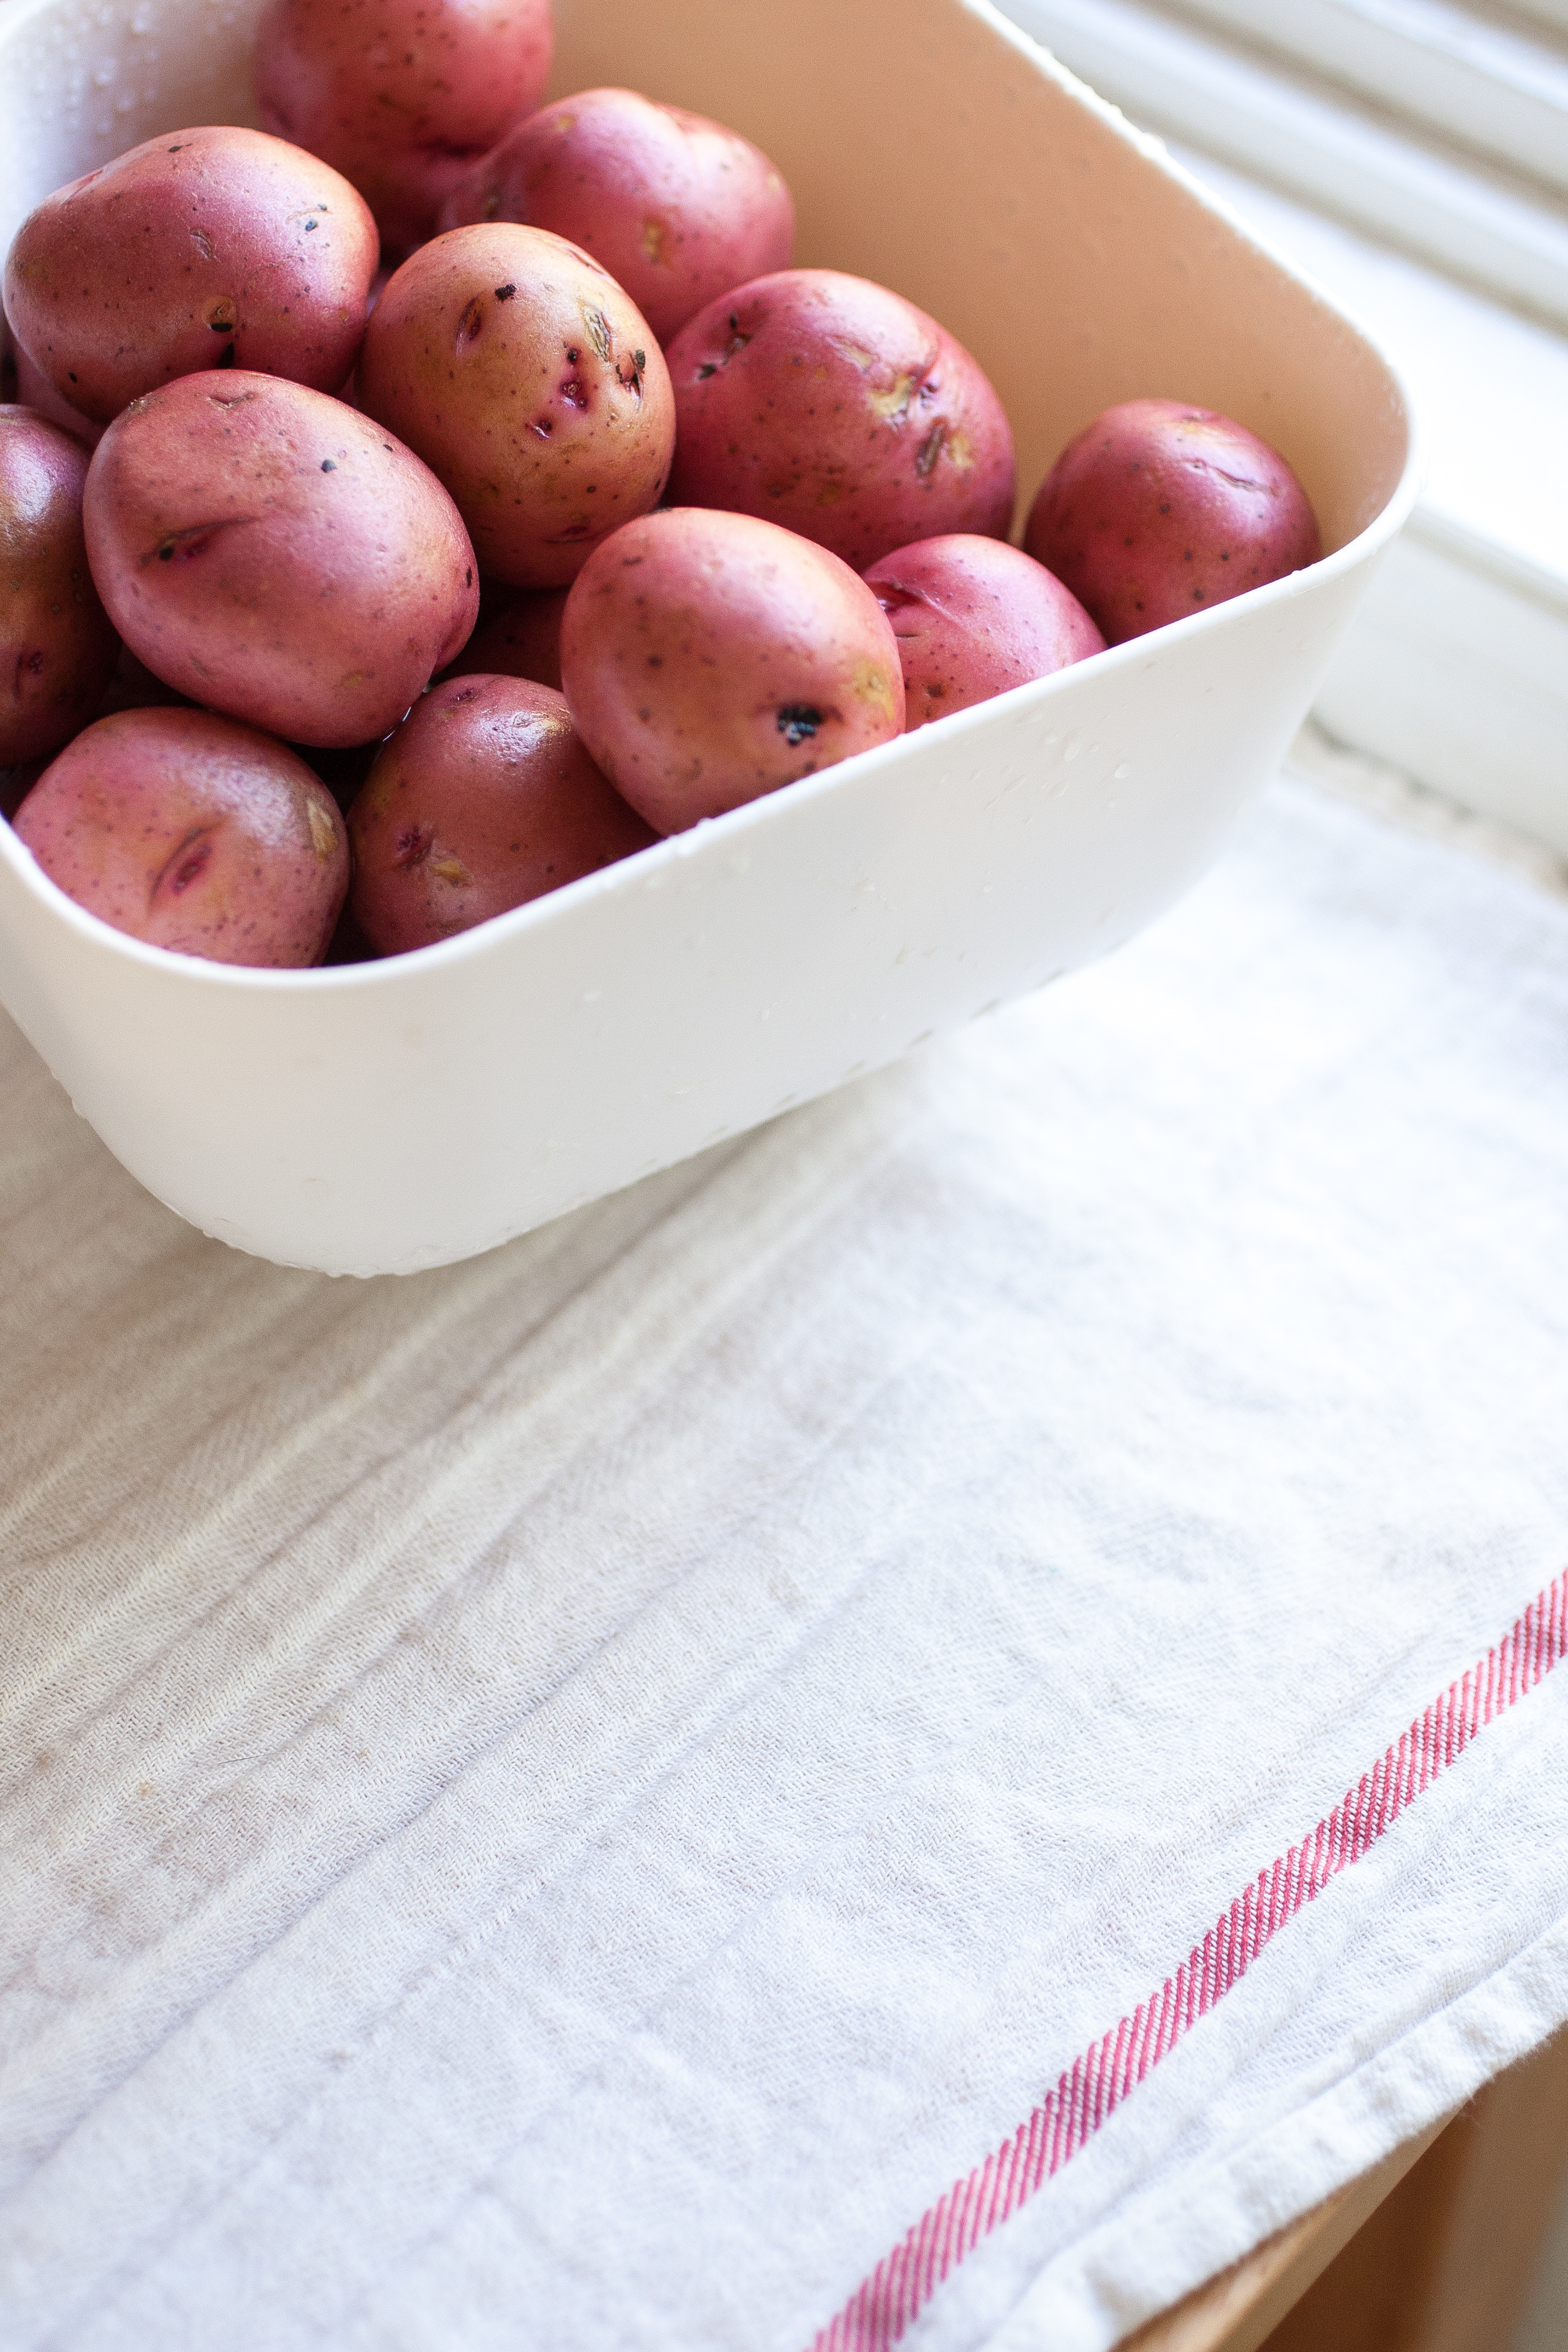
[{"x": 798, "y": 722}]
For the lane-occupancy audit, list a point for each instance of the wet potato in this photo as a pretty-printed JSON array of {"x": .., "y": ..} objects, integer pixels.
[
  {"x": 34, "y": 389},
  {"x": 402, "y": 97},
  {"x": 213, "y": 247},
  {"x": 193, "y": 834},
  {"x": 276, "y": 555},
  {"x": 676, "y": 208},
  {"x": 57, "y": 645},
  {"x": 532, "y": 385},
  {"x": 483, "y": 799},
  {"x": 521, "y": 639},
  {"x": 835, "y": 407},
  {"x": 974, "y": 617},
  {"x": 708, "y": 658},
  {"x": 1159, "y": 508}
]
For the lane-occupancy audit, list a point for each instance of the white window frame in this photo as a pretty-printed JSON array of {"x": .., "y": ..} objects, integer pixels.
[{"x": 1492, "y": 89}]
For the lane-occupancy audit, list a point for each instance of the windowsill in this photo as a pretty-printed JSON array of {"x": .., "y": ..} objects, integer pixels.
[
  {"x": 1456, "y": 669},
  {"x": 1492, "y": 386}
]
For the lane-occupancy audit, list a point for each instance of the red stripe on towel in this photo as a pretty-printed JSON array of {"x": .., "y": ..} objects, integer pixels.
[{"x": 885, "y": 2303}]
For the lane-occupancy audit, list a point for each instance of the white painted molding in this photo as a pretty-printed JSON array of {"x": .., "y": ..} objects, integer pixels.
[
  {"x": 1445, "y": 68},
  {"x": 1454, "y": 676},
  {"x": 1333, "y": 153}
]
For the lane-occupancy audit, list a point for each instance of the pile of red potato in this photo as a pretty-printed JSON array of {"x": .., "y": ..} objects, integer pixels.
[{"x": 730, "y": 522}]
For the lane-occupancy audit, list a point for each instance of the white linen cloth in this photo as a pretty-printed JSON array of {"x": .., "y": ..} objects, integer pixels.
[{"x": 563, "y": 1802}]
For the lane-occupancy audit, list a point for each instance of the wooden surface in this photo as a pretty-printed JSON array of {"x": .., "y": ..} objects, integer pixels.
[
  {"x": 1447, "y": 2263},
  {"x": 1434, "y": 2250},
  {"x": 1236, "y": 2312}
]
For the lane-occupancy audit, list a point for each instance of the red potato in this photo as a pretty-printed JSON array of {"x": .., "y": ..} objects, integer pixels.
[
  {"x": 402, "y": 96},
  {"x": 34, "y": 389},
  {"x": 676, "y": 208},
  {"x": 521, "y": 640},
  {"x": 343, "y": 770},
  {"x": 483, "y": 799},
  {"x": 212, "y": 248},
  {"x": 135, "y": 687},
  {"x": 194, "y": 834},
  {"x": 1159, "y": 508},
  {"x": 530, "y": 385},
  {"x": 277, "y": 556},
  {"x": 972, "y": 617},
  {"x": 17, "y": 782},
  {"x": 57, "y": 645},
  {"x": 708, "y": 658},
  {"x": 835, "y": 407}
]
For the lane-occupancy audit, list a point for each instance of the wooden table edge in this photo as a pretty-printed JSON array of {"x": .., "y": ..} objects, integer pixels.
[{"x": 1235, "y": 2312}]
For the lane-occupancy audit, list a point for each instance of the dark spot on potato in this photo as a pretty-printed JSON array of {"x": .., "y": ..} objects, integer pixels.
[
  {"x": 797, "y": 721},
  {"x": 572, "y": 356},
  {"x": 930, "y": 451},
  {"x": 175, "y": 151},
  {"x": 224, "y": 357},
  {"x": 468, "y": 325},
  {"x": 544, "y": 428},
  {"x": 655, "y": 661},
  {"x": 329, "y": 465},
  {"x": 736, "y": 344},
  {"x": 640, "y": 359},
  {"x": 505, "y": 293},
  {"x": 1165, "y": 504},
  {"x": 72, "y": 372},
  {"x": 309, "y": 227},
  {"x": 468, "y": 576},
  {"x": 195, "y": 541}
]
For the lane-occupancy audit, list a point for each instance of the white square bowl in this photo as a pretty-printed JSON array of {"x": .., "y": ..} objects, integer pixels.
[{"x": 390, "y": 1116}]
